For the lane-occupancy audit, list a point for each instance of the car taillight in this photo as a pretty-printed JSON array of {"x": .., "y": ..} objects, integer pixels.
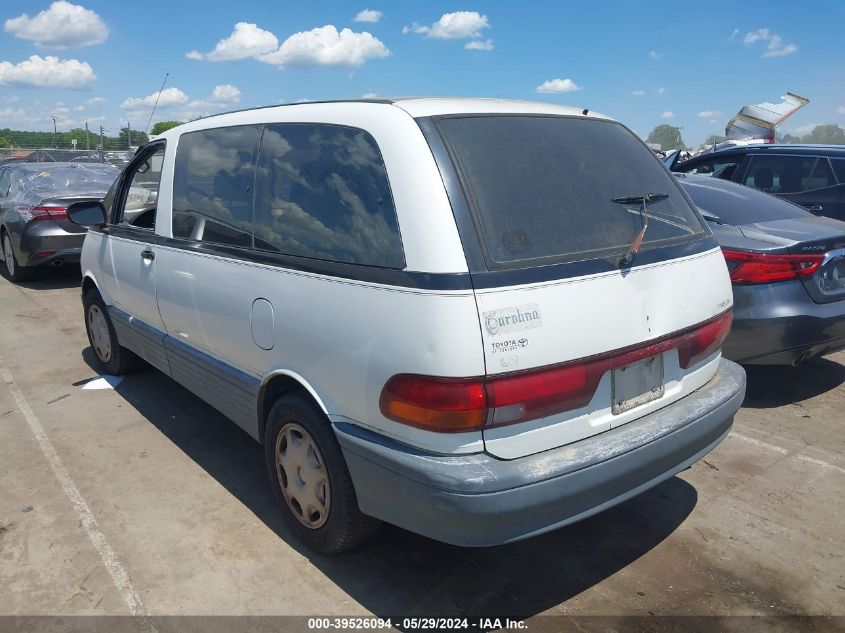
[
  {"x": 454, "y": 405},
  {"x": 702, "y": 341},
  {"x": 48, "y": 213},
  {"x": 449, "y": 405},
  {"x": 762, "y": 268},
  {"x": 537, "y": 394}
]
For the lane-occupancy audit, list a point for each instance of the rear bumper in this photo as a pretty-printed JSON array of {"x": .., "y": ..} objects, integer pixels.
[
  {"x": 478, "y": 500},
  {"x": 779, "y": 324},
  {"x": 46, "y": 242}
]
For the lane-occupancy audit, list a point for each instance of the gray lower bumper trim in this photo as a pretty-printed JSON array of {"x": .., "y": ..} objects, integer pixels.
[{"x": 478, "y": 500}]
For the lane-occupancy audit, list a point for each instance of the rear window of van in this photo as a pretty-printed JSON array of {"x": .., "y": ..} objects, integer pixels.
[{"x": 541, "y": 188}]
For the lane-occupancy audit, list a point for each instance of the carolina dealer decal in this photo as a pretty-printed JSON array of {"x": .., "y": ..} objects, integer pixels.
[{"x": 512, "y": 319}]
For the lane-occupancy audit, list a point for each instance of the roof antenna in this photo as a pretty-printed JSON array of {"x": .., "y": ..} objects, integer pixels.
[
  {"x": 158, "y": 96},
  {"x": 584, "y": 111}
]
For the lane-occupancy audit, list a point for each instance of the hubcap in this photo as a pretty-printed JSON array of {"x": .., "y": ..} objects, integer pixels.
[
  {"x": 99, "y": 329},
  {"x": 8, "y": 255},
  {"x": 302, "y": 476}
]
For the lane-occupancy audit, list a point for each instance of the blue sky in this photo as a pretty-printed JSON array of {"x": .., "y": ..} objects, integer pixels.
[{"x": 644, "y": 63}]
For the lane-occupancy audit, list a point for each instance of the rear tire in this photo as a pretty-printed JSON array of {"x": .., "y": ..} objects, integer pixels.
[
  {"x": 15, "y": 271},
  {"x": 111, "y": 358},
  {"x": 310, "y": 480}
]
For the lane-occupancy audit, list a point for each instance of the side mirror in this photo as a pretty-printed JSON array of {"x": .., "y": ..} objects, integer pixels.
[{"x": 89, "y": 213}]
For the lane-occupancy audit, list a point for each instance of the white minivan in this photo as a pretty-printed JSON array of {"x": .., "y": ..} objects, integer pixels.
[{"x": 475, "y": 319}]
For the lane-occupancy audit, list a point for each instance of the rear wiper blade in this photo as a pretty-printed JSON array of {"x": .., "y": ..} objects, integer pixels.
[{"x": 641, "y": 200}]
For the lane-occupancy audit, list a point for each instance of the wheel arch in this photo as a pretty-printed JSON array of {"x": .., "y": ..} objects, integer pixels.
[
  {"x": 89, "y": 281},
  {"x": 277, "y": 384}
]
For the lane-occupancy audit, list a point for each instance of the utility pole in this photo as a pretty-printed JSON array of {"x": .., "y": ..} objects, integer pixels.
[
  {"x": 128, "y": 135},
  {"x": 102, "y": 145},
  {"x": 54, "y": 131},
  {"x": 87, "y": 140}
]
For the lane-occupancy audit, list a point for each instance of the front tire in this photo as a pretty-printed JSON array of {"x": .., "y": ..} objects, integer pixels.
[
  {"x": 111, "y": 358},
  {"x": 13, "y": 268},
  {"x": 310, "y": 480}
]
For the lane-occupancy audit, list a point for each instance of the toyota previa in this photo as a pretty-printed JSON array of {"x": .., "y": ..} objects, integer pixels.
[{"x": 475, "y": 319}]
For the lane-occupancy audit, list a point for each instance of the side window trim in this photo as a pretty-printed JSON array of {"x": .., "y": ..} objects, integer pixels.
[{"x": 119, "y": 204}]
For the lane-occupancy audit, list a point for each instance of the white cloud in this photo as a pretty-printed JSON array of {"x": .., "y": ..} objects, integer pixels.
[
  {"x": 668, "y": 115},
  {"x": 733, "y": 35},
  {"x": 96, "y": 100},
  {"x": 659, "y": 91},
  {"x": 775, "y": 46},
  {"x": 246, "y": 41},
  {"x": 61, "y": 26},
  {"x": 553, "y": 86},
  {"x": 638, "y": 93},
  {"x": 47, "y": 72},
  {"x": 368, "y": 15},
  {"x": 841, "y": 109},
  {"x": 453, "y": 26},
  {"x": 169, "y": 97},
  {"x": 479, "y": 45},
  {"x": 655, "y": 55},
  {"x": 225, "y": 93},
  {"x": 369, "y": 95},
  {"x": 709, "y": 114},
  {"x": 325, "y": 46}
]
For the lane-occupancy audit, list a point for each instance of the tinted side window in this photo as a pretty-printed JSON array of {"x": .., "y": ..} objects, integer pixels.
[
  {"x": 322, "y": 192},
  {"x": 839, "y": 168},
  {"x": 781, "y": 174},
  {"x": 822, "y": 176},
  {"x": 213, "y": 185}
]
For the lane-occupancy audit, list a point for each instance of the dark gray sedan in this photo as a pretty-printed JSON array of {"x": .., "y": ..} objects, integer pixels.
[
  {"x": 787, "y": 267},
  {"x": 34, "y": 229}
]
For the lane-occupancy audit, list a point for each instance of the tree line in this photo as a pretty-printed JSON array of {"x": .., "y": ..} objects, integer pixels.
[
  {"x": 669, "y": 137},
  {"x": 125, "y": 139}
]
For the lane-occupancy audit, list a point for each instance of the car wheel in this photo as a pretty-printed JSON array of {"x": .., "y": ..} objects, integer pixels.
[
  {"x": 310, "y": 480},
  {"x": 111, "y": 358},
  {"x": 16, "y": 271}
]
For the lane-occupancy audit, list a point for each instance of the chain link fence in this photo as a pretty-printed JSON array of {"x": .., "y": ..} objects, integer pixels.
[{"x": 76, "y": 145}]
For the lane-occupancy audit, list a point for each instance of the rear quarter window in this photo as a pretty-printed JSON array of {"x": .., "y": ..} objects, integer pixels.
[
  {"x": 541, "y": 188},
  {"x": 322, "y": 192}
]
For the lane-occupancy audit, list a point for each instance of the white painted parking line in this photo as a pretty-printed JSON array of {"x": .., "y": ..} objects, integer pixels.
[
  {"x": 783, "y": 451},
  {"x": 115, "y": 569}
]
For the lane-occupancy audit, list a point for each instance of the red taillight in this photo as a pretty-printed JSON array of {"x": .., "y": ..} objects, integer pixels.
[
  {"x": 699, "y": 343},
  {"x": 454, "y": 405},
  {"x": 536, "y": 394},
  {"x": 763, "y": 268},
  {"x": 48, "y": 213},
  {"x": 450, "y": 405}
]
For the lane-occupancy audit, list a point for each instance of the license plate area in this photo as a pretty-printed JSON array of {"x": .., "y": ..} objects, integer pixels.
[{"x": 635, "y": 384}]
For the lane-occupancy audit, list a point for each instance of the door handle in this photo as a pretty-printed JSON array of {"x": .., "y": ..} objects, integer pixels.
[
  {"x": 147, "y": 255},
  {"x": 814, "y": 208}
]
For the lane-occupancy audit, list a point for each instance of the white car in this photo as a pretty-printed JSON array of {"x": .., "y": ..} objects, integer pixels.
[{"x": 475, "y": 319}]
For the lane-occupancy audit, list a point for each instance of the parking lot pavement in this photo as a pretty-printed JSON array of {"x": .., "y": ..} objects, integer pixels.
[{"x": 143, "y": 499}]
